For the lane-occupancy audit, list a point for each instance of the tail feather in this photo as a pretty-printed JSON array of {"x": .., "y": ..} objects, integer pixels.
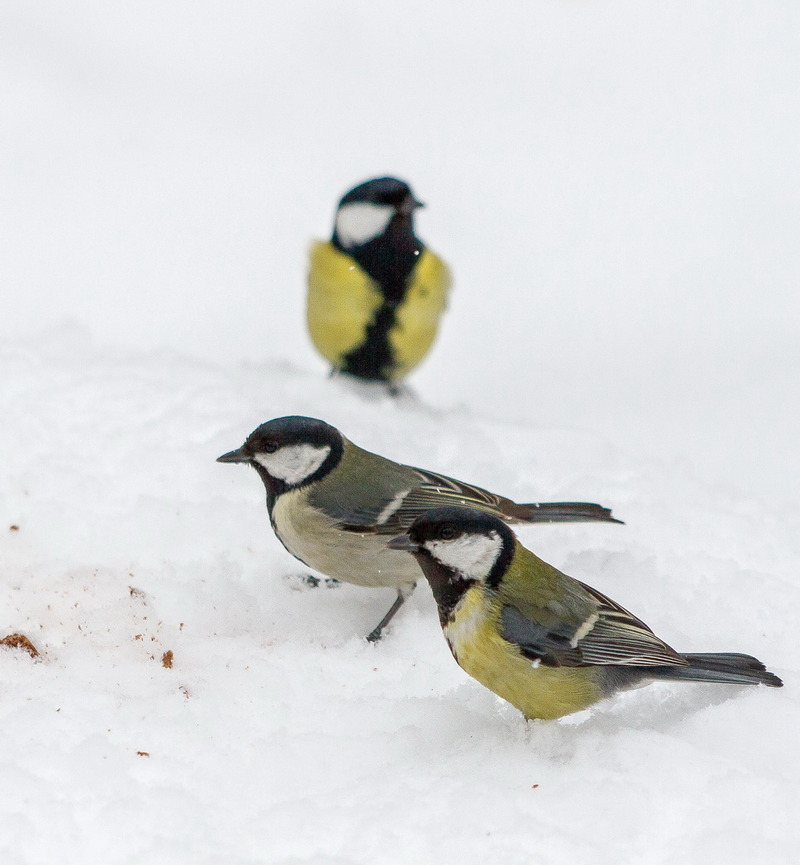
[
  {"x": 562, "y": 512},
  {"x": 730, "y": 667}
]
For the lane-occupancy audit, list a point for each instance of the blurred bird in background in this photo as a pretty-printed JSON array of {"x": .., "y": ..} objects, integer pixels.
[{"x": 375, "y": 291}]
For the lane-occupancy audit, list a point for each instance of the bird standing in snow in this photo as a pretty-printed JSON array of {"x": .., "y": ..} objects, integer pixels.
[
  {"x": 334, "y": 505},
  {"x": 545, "y": 642},
  {"x": 375, "y": 291}
]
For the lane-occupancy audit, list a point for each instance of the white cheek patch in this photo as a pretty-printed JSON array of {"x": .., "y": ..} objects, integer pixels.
[
  {"x": 470, "y": 555},
  {"x": 361, "y": 222},
  {"x": 294, "y": 463}
]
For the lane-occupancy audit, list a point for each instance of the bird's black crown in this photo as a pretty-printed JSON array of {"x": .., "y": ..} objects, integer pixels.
[
  {"x": 379, "y": 190},
  {"x": 449, "y": 523},
  {"x": 292, "y": 430}
]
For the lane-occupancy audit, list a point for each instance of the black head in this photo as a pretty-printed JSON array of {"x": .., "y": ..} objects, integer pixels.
[
  {"x": 290, "y": 452},
  {"x": 379, "y": 208},
  {"x": 382, "y": 190},
  {"x": 458, "y": 548}
]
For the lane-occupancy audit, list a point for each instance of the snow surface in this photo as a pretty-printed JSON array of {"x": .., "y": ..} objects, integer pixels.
[{"x": 616, "y": 186}]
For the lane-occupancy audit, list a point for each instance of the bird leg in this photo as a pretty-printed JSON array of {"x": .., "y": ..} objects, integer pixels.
[{"x": 377, "y": 632}]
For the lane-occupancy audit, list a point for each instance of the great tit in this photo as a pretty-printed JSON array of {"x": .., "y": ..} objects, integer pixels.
[
  {"x": 375, "y": 292},
  {"x": 334, "y": 505},
  {"x": 545, "y": 642}
]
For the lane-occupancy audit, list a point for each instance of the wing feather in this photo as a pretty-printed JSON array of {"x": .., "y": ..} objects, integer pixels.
[
  {"x": 432, "y": 491},
  {"x": 612, "y": 636}
]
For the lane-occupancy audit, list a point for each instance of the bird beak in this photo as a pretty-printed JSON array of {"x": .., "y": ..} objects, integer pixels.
[
  {"x": 402, "y": 542},
  {"x": 237, "y": 456},
  {"x": 409, "y": 205}
]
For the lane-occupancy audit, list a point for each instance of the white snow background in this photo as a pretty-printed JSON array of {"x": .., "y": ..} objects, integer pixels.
[{"x": 617, "y": 187}]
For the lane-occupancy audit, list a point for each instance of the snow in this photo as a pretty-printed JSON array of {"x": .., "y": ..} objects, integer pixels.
[{"x": 616, "y": 188}]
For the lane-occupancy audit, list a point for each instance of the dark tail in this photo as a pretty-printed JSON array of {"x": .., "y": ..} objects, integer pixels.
[
  {"x": 728, "y": 667},
  {"x": 562, "y": 512}
]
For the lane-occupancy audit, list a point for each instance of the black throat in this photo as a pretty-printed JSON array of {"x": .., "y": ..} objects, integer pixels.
[
  {"x": 448, "y": 587},
  {"x": 390, "y": 261},
  {"x": 273, "y": 486}
]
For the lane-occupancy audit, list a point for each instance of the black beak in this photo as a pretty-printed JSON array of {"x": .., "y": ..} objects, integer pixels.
[
  {"x": 409, "y": 205},
  {"x": 237, "y": 456},
  {"x": 403, "y": 542}
]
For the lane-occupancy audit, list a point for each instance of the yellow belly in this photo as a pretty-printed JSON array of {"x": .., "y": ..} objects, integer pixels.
[
  {"x": 418, "y": 316},
  {"x": 343, "y": 301},
  {"x": 537, "y": 691}
]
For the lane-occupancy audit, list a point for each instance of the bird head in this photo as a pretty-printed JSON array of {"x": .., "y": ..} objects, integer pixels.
[
  {"x": 289, "y": 452},
  {"x": 457, "y": 548},
  {"x": 364, "y": 213}
]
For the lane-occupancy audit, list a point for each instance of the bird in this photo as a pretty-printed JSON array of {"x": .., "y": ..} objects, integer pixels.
[
  {"x": 545, "y": 642},
  {"x": 334, "y": 505},
  {"x": 375, "y": 291}
]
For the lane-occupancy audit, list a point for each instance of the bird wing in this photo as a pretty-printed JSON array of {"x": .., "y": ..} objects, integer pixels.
[
  {"x": 437, "y": 491},
  {"x": 609, "y": 636},
  {"x": 394, "y": 514}
]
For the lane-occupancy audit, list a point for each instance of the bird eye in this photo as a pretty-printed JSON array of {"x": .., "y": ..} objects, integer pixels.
[
  {"x": 270, "y": 447},
  {"x": 447, "y": 533}
]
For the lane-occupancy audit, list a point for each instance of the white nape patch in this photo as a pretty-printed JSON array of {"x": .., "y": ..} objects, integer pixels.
[
  {"x": 361, "y": 222},
  {"x": 392, "y": 507},
  {"x": 470, "y": 555},
  {"x": 293, "y": 463}
]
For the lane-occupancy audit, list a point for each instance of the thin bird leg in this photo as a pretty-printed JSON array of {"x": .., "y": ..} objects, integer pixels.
[{"x": 377, "y": 632}]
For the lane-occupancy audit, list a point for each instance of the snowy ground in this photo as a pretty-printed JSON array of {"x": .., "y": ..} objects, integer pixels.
[{"x": 617, "y": 189}]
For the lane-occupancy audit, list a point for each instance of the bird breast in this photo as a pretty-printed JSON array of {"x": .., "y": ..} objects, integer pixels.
[{"x": 314, "y": 538}]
